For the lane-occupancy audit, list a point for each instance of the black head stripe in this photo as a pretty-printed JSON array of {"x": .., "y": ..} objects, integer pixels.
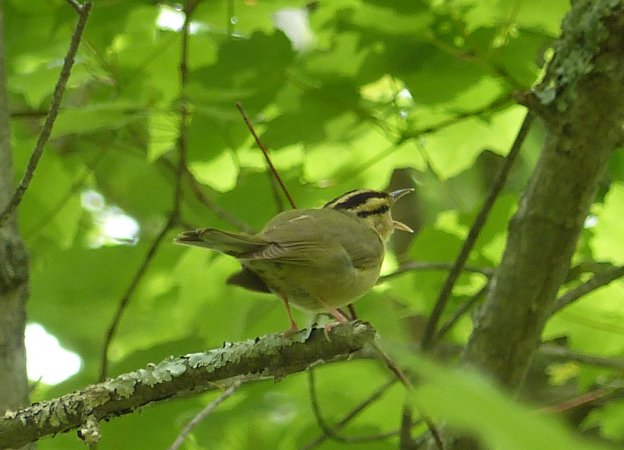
[
  {"x": 346, "y": 194},
  {"x": 353, "y": 199},
  {"x": 381, "y": 210}
]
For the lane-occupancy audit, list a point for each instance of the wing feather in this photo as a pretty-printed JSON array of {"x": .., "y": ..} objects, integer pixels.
[{"x": 319, "y": 237}]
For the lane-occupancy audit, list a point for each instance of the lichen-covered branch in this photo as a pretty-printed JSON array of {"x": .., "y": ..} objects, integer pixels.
[
  {"x": 581, "y": 101},
  {"x": 272, "y": 356}
]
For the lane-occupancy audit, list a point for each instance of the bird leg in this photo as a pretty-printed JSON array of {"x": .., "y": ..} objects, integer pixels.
[
  {"x": 293, "y": 325},
  {"x": 352, "y": 311},
  {"x": 340, "y": 319}
]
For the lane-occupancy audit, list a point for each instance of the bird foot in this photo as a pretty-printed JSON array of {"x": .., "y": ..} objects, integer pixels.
[
  {"x": 292, "y": 330},
  {"x": 340, "y": 319},
  {"x": 327, "y": 328}
]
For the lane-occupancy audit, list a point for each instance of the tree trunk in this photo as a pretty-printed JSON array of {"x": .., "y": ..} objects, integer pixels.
[
  {"x": 581, "y": 102},
  {"x": 13, "y": 271}
]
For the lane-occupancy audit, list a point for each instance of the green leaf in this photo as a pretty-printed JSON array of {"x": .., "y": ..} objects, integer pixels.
[
  {"x": 220, "y": 173},
  {"x": 608, "y": 231},
  {"x": 457, "y": 394},
  {"x": 456, "y": 147}
]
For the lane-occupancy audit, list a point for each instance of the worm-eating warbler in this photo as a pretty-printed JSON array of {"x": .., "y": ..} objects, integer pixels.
[{"x": 317, "y": 259}]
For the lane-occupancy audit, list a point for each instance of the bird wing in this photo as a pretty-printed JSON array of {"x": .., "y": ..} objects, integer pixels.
[
  {"x": 233, "y": 244},
  {"x": 319, "y": 237}
]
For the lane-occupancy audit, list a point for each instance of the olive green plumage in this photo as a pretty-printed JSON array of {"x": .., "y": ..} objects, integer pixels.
[{"x": 317, "y": 259}]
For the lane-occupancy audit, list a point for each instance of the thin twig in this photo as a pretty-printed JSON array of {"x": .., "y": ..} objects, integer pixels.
[
  {"x": 202, "y": 415},
  {"x": 48, "y": 216},
  {"x": 497, "y": 104},
  {"x": 221, "y": 213},
  {"x": 597, "y": 281},
  {"x": 392, "y": 366},
  {"x": 396, "y": 370},
  {"x": 424, "y": 266},
  {"x": 428, "y": 338},
  {"x": 405, "y": 434},
  {"x": 57, "y": 97},
  {"x": 275, "y": 191},
  {"x": 583, "y": 358},
  {"x": 577, "y": 401},
  {"x": 463, "y": 309},
  {"x": 184, "y": 113},
  {"x": 74, "y": 4},
  {"x": 330, "y": 432},
  {"x": 125, "y": 299},
  {"x": 265, "y": 152},
  {"x": 177, "y": 199}
]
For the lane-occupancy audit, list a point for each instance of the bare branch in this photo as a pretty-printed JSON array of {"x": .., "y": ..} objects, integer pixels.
[
  {"x": 214, "y": 207},
  {"x": 597, "y": 281},
  {"x": 202, "y": 415},
  {"x": 405, "y": 432},
  {"x": 582, "y": 114},
  {"x": 463, "y": 309},
  {"x": 57, "y": 96},
  {"x": 428, "y": 338},
  {"x": 76, "y": 5},
  {"x": 265, "y": 152},
  {"x": 177, "y": 197},
  {"x": 575, "y": 402},
  {"x": 424, "y": 266},
  {"x": 125, "y": 299},
  {"x": 269, "y": 357},
  {"x": 331, "y": 432},
  {"x": 583, "y": 358}
]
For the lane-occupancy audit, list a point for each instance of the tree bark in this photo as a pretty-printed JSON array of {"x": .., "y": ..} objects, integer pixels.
[
  {"x": 270, "y": 357},
  {"x": 13, "y": 271}
]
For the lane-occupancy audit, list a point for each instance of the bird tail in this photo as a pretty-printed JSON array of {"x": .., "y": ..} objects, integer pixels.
[{"x": 233, "y": 244}]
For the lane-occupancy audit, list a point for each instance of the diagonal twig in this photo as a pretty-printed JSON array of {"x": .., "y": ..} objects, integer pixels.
[
  {"x": 559, "y": 352},
  {"x": 125, "y": 299},
  {"x": 265, "y": 152},
  {"x": 202, "y": 415},
  {"x": 428, "y": 338},
  {"x": 597, "y": 281},
  {"x": 76, "y": 5},
  {"x": 331, "y": 432},
  {"x": 425, "y": 265},
  {"x": 177, "y": 199},
  {"x": 220, "y": 212},
  {"x": 57, "y": 97},
  {"x": 463, "y": 309}
]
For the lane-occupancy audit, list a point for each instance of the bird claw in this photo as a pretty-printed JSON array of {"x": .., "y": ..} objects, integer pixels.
[
  {"x": 328, "y": 327},
  {"x": 292, "y": 330}
]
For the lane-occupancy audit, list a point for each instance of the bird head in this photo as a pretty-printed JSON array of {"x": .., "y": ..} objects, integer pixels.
[{"x": 373, "y": 207}]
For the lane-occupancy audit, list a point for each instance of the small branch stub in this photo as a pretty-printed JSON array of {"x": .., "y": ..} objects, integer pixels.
[{"x": 90, "y": 431}]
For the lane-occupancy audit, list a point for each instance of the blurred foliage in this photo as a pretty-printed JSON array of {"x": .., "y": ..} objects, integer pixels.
[{"x": 371, "y": 86}]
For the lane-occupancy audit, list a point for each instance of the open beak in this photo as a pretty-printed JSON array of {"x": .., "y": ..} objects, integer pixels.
[
  {"x": 400, "y": 193},
  {"x": 401, "y": 226},
  {"x": 395, "y": 196}
]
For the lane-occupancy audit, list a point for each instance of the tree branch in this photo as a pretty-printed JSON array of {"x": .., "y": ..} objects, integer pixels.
[
  {"x": 582, "y": 108},
  {"x": 205, "y": 412},
  {"x": 270, "y": 357},
  {"x": 57, "y": 96},
  {"x": 357, "y": 410},
  {"x": 125, "y": 299},
  {"x": 429, "y": 334},
  {"x": 597, "y": 281}
]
